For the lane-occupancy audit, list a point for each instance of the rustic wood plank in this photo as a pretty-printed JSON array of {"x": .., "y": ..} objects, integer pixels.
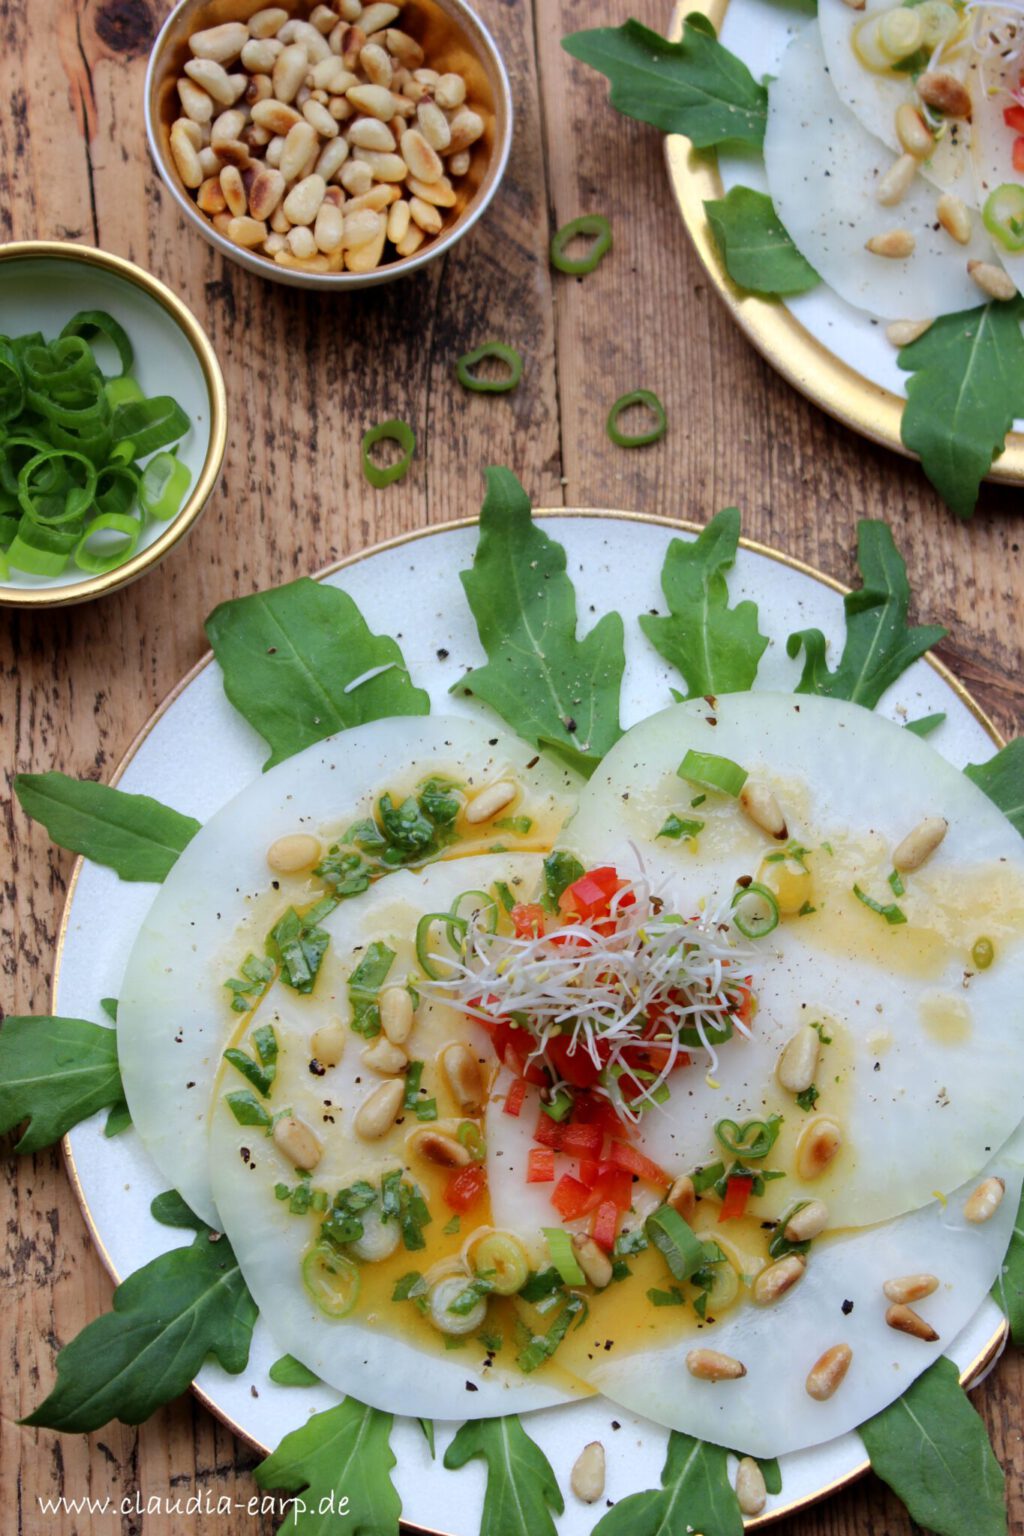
[{"x": 305, "y": 377}]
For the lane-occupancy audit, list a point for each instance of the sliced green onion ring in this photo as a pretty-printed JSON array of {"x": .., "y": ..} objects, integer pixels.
[
  {"x": 423, "y": 927},
  {"x": 123, "y": 391},
  {"x": 587, "y": 224},
  {"x": 97, "y": 561},
  {"x": 482, "y": 902},
  {"x": 983, "y": 952},
  {"x": 500, "y": 386},
  {"x": 330, "y": 1279},
  {"x": 1003, "y": 215},
  {"x": 712, "y": 772},
  {"x": 394, "y": 431},
  {"x": 563, "y": 1255},
  {"x": 753, "y": 1139},
  {"x": 40, "y": 551},
  {"x": 12, "y": 384},
  {"x": 645, "y": 397},
  {"x": 755, "y": 910},
  {"x": 163, "y": 487},
  {"x": 150, "y": 424},
  {"x": 90, "y": 323},
  {"x": 471, "y": 1137}
]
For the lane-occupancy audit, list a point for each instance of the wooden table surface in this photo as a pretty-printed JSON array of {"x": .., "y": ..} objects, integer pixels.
[{"x": 305, "y": 376}]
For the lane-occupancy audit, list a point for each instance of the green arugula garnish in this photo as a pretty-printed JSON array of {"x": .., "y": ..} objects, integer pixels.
[
  {"x": 167, "y": 1318},
  {"x": 551, "y": 688},
  {"x": 289, "y": 1372},
  {"x": 293, "y": 659},
  {"x": 1002, "y": 779},
  {"x": 926, "y": 724},
  {"x": 880, "y": 644},
  {"x": 695, "y": 1493},
  {"x": 521, "y": 1488},
  {"x": 932, "y": 1449},
  {"x": 716, "y": 648},
  {"x": 55, "y": 1072},
  {"x": 338, "y": 1460},
  {"x": 1009, "y": 1287},
  {"x": 757, "y": 250},
  {"x": 118, "y": 1120},
  {"x": 965, "y": 391},
  {"x": 134, "y": 835},
  {"x": 695, "y": 86},
  {"x": 427, "y": 1426}
]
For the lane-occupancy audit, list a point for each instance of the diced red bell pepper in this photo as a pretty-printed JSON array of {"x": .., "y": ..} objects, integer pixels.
[
  {"x": 582, "y": 1140},
  {"x": 513, "y": 1104},
  {"x": 514, "y": 1046},
  {"x": 575, "y": 1066},
  {"x": 591, "y": 894},
  {"x": 527, "y": 919},
  {"x": 540, "y": 1167},
  {"x": 466, "y": 1187},
  {"x": 616, "y": 1185},
  {"x": 548, "y": 1132},
  {"x": 634, "y": 1161},
  {"x": 590, "y": 1109},
  {"x": 605, "y": 1226},
  {"x": 589, "y": 1171},
  {"x": 737, "y": 1193},
  {"x": 1013, "y": 117},
  {"x": 570, "y": 1198},
  {"x": 1018, "y": 154}
]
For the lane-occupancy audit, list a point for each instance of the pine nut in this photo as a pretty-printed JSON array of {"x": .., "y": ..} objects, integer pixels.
[
  {"x": 897, "y": 244},
  {"x": 682, "y": 1197},
  {"x": 396, "y": 1014},
  {"x": 329, "y": 229},
  {"x": 328, "y": 1042},
  {"x": 305, "y": 36},
  {"x": 450, "y": 92},
  {"x": 855, "y": 5},
  {"x": 331, "y": 158},
  {"x": 316, "y": 263},
  {"x": 290, "y": 69},
  {"x": 268, "y": 22},
  {"x": 919, "y": 845},
  {"x": 910, "y": 1288},
  {"x": 398, "y": 221},
  {"x": 761, "y": 806},
  {"x": 751, "y": 1493},
  {"x": 265, "y": 193},
  {"x": 215, "y": 80},
  {"x": 223, "y": 44},
  {"x": 374, "y": 100},
  {"x": 365, "y": 257},
  {"x": 709, "y": 1365},
  {"x": 827, "y": 1374},
  {"x": 897, "y": 181},
  {"x": 303, "y": 201},
  {"x": 323, "y": 18},
  {"x": 413, "y": 240},
  {"x": 376, "y": 65},
  {"x": 939, "y": 89},
  {"x": 210, "y": 198},
  {"x": 259, "y": 89},
  {"x": 379, "y": 1110},
  {"x": 808, "y": 1222},
  {"x": 297, "y": 1143},
  {"x": 186, "y": 157},
  {"x": 487, "y": 804},
  {"x": 799, "y": 1060},
  {"x": 955, "y": 218},
  {"x": 913, "y": 132},
  {"x": 370, "y": 133},
  {"x": 427, "y": 77},
  {"x": 259, "y": 56},
  {"x": 356, "y": 177},
  {"x": 349, "y": 10},
  {"x": 385, "y": 1058},
  {"x": 466, "y": 127},
  {"x": 274, "y": 243},
  {"x": 301, "y": 242},
  {"x": 780, "y": 1277},
  {"x": 593, "y": 1261},
  {"x": 210, "y": 163},
  {"x": 233, "y": 187},
  {"x": 377, "y": 199},
  {"x": 191, "y": 130},
  {"x": 275, "y": 116},
  {"x": 350, "y": 45},
  {"x": 298, "y": 851},
  {"x": 587, "y": 1476},
  {"x": 464, "y": 1077},
  {"x": 992, "y": 280},
  {"x": 985, "y": 1201},
  {"x": 905, "y": 1320},
  {"x": 423, "y": 161},
  {"x": 234, "y": 152},
  {"x": 319, "y": 117},
  {"x": 378, "y": 16},
  {"x": 819, "y": 1143},
  {"x": 278, "y": 223},
  {"x": 459, "y": 164},
  {"x": 195, "y": 103},
  {"x": 403, "y": 48},
  {"x": 440, "y": 194},
  {"x": 362, "y": 228},
  {"x": 298, "y": 146},
  {"x": 439, "y": 1148},
  {"x": 332, "y": 76},
  {"x": 383, "y": 167},
  {"x": 434, "y": 127},
  {"x": 902, "y": 332}
]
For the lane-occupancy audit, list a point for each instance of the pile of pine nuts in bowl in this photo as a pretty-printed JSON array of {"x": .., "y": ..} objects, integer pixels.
[{"x": 329, "y": 145}]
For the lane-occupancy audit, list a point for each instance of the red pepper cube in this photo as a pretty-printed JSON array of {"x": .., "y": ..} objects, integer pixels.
[
  {"x": 633, "y": 1161},
  {"x": 570, "y": 1198},
  {"x": 466, "y": 1187},
  {"x": 540, "y": 1166},
  {"x": 514, "y": 1098},
  {"x": 605, "y": 1226}
]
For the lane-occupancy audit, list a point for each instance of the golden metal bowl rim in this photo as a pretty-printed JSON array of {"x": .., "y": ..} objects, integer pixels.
[
  {"x": 786, "y": 345},
  {"x": 146, "y": 559},
  {"x": 478, "y": 36},
  {"x": 993, "y": 1346}
]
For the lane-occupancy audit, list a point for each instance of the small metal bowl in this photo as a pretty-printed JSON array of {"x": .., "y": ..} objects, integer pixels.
[
  {"x": 42, "y": 284},
  {"x": 453, "y": 38}
]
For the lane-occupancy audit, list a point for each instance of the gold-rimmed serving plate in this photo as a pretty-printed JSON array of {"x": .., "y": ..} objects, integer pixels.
[
  {"x": 794, "y": 351},
  {"x": 194, "y": 753}
]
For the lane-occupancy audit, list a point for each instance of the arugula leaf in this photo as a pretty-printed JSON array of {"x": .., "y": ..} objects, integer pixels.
[
  {"x": 926, "y": 724},
  {"x": 933, "y": 1450},
  {"x": 1002, "y": 779},
  {"x": 118, "y": 1120},
  {"x": 53, "y": 1073},
  {"x": 695, "y": 1494},
  {"x": 137, "y": 837},
  {"x": 880, "y": 644},
  {"x": 293, "y": 658},
  {"x": 966, "y": 391},
  {"x": 715, "y": 647},
  {"x": 756, "y": 247},
  {"x": 1009, "y": 1287},
  {"x": 551, "y": 688},
  {"x": 339, "y": 1460},
  {"x": 695, "y": 87},
  {"x": 166, "y": 1319},
  {"x": 427, "y": 1426},
  {"x": 521, "y": 1487},
  {"x": 289, "y": 1372}
]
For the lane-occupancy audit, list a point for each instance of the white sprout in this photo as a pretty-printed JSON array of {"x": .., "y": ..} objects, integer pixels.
[{"x": 601, "y": 982}]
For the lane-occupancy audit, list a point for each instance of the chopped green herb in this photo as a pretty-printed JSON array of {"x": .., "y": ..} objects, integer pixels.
[
  {"x": 364, "y": 986},
  {"x": 707, "y": 1178},
  {"x": 560, "y": 871},
  {"x": 896, "y": 883},
  {"x": 892, "y": 914},
  {"x": 807, "y": 1098},
  {"x": 409, "y": 1286},
  {"x": 676, "y": 827},
  {"x": 673, "y": 1297},
  {"x": 299, "y": 945},
  {"x": 504, "y": 895},
  {"x": 261, "y": 1078},
  {"x": 542, "y": 1346},
  {"x": 820, "y": 1030},
  {"x": 247, "y": 990},
  {"x": 247, "y": 1109}
]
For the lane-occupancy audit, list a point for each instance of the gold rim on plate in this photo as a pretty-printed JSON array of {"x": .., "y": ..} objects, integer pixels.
[
  {"x": 993, "y": 1346},
  {"x": 791, "y": 349},
  {"x": 182, "y": 316}
]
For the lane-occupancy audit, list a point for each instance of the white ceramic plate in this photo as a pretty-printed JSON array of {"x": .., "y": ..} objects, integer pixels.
[{"x": 197, "y": 753}]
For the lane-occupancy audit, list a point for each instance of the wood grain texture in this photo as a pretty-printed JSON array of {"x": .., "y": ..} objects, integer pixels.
[{"x": 305, "y": 376}]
